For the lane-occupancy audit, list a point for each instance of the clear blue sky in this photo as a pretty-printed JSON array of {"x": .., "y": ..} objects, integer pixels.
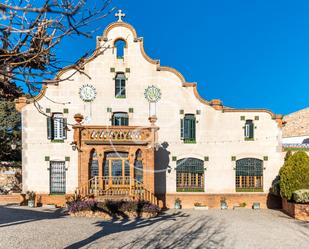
[{"x": 248, "y": 53}]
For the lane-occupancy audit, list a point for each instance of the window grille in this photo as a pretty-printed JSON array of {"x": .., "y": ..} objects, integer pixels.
[
  {"x": 249, "y": 175},
  {"x": 57, "y": 177},
  {"x": 190, "y": 175}
]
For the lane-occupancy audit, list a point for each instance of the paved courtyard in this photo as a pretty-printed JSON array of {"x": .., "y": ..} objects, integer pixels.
[{"x": 43, "y": 228}]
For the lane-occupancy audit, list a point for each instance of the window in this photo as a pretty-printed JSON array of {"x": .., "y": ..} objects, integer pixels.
[
  {"x": 56, "y": 127},
  {"x": 120, "y": 118},
  {"x": 120, "y": 45},
  {"x": 138, "y": 167},
  {"x": 93, "y": 165},
  {"x": 57, "y": 177},
  {"x": 190, "y": 175},
  {"x": 188, "y": 128},
  {"x": 120, "y": 85},
  {"x": 249, "y": 129},
  {"x": 249, "y": 175}
]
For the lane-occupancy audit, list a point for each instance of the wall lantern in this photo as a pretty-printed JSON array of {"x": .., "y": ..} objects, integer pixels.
[{"x": 74, "y": 146}]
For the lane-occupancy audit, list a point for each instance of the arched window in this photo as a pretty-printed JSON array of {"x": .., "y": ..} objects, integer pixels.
[
  {"x": 120, "y": 85},
  {"x": 190, "y": 175},
  {"x": 249, "y": 175},
  {"x": 93, "y": 164},
  {"x": 120, "y": 45},
  {"x": 249, "y": 129},
  {"x": 138, "y": 166},
  {"x": 188, "y": 128},
  {"x": 120, "y": 118}
]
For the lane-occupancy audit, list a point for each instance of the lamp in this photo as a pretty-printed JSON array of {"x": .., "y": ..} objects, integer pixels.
[
  {"x": 74, "y": 146},
  {"x": 169, "y": 169}
]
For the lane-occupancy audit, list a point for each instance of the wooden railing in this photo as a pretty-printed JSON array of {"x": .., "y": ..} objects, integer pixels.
[{"x": 117, "y": 186}]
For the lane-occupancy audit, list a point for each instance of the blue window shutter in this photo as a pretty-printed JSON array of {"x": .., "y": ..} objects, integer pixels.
[
  {"x": 181, "y": 128},
  {"x": 50, "y": 126}
]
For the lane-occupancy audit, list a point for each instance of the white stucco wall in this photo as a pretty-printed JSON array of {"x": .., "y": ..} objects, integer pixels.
[{"x": 219, "y": 135}]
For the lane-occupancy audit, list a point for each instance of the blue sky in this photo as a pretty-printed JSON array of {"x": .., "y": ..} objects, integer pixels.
[{"x": 249, "y": 54}]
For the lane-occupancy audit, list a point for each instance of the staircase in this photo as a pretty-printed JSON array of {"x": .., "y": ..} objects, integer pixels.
[{"x": 117, "y": 187}]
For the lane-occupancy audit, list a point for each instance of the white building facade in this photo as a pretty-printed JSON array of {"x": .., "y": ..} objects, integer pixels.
[{"x": 198, "y": 148}]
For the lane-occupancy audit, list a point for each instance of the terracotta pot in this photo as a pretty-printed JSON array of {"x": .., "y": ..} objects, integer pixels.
[{"x": 78, "y": 117}]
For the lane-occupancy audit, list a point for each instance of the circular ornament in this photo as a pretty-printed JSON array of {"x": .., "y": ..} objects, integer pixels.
[
  {"x": 152, "y": 94},
  {"x": 87, "y": 93}
]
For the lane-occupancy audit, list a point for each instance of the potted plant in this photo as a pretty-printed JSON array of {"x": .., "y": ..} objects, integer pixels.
[
  {"x": 223, "y": 204},
  {"x": 30, "y": 196},
  {"x": 200, "y": 206},
  {"x": 177, "y": 203}
]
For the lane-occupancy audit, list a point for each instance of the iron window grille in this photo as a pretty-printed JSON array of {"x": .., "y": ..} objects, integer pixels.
[
  {"x": 57, "y": 177},
  {"x": 190, "y": 175},
  {"x": 249, "y": 175}
]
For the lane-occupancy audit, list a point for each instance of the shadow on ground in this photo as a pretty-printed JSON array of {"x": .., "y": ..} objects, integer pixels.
[
  {"x": 11, "y": 215},
  {"x": 176, "y": 230}
]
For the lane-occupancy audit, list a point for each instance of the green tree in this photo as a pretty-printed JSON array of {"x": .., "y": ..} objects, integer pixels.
[
  {"x": 288, "y": 155},
  {"x": 294, "y": 174},
  {"x": 10, "y": 131}
]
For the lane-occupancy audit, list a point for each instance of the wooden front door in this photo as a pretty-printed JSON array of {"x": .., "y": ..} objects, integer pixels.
[{"x": 117, "y": 168}]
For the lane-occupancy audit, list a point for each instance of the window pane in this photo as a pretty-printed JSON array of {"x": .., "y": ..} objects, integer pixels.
[
  {"x": 189, "y": 127},
  {"x": 190, "y": 175},
  {"x": 120, "y": 85},
  {"x": 116, "y": 167},
  {"x": 120, "y": 119},
  {"x": 249, "y": 174}
]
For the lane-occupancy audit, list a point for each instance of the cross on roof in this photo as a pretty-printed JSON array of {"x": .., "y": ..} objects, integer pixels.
[{"x": 120, "y": 15}]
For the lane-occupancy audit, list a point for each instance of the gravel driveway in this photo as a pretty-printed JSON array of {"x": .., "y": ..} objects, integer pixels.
[{"x": 42, "y": 228}]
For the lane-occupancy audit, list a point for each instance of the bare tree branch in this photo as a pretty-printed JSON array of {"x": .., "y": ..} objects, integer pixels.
[{"x": 30, "y": 36}]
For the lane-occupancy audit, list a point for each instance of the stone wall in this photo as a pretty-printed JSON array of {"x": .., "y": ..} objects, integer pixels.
[
  {"x": 11, "y": 199},
  {"x": 297, "y": 211},
  {"x": 297, "y": 124},
  {"x": 10, "y": 180}
]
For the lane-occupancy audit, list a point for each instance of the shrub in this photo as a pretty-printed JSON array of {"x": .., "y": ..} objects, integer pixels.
[
  {"x": 122, "y": 206},
  {"x": 301, "y": 196},
  {"x": 150, "y": 208},
  {"x": 82, "y": 205},
  {"x": 294, "y": 174}
]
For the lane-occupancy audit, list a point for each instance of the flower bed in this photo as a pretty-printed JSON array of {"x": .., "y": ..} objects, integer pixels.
[{"x": 111, "y": 209}]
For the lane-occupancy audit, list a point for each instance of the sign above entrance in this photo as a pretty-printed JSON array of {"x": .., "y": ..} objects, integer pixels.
[
  {"x": 152, "y": 94},
  {"x": 87, "y": 93}
]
